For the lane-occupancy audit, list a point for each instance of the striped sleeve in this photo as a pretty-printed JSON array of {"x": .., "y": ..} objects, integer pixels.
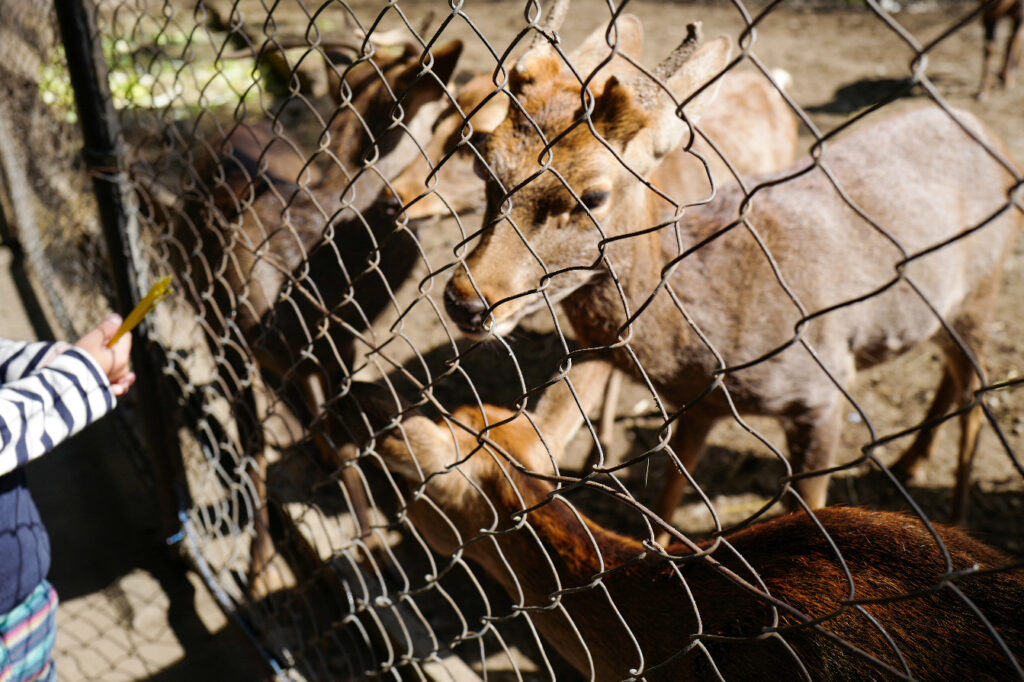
[
  {"x": 18, "y": 358},
  {"x": 48, "y": 405}
]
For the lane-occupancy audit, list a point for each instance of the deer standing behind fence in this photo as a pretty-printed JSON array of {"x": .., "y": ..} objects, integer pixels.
[
  {"x": 990, "y": 18},
  {"x": 715, "y": 296},
  {"x": 289, "y": 260},
  {"x": 734, "y": 608},
  {"x": 752, "y": 127}
]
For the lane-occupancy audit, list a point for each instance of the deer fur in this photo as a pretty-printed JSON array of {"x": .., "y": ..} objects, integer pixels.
[
  {"x": 626, "y": 285},
  {"x": 994, "y": 12},
  {"x": 615, "y": 610},
  {"x": 288, "y": 259}
]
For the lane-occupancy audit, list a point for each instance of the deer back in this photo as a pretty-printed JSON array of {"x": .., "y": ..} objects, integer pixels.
[
  {"x": 919, "y": 177},
  {"x": 615, "y": 607}
]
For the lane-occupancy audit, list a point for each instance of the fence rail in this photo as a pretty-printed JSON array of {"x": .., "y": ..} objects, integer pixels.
[{"x": 461, "y": 301}]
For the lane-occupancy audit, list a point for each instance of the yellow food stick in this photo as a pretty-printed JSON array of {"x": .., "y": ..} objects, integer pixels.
[{"x": 156, "y": 294}]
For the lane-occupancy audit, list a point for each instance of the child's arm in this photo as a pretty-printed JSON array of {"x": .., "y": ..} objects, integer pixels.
[
  {"x": 18, "y": 358},
  {"x": 51, "y": 403}
]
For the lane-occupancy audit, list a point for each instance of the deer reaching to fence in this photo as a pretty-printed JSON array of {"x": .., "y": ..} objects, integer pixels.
[
  {"x": 752, "y": 127},
  {"x": 289, "y": 260},
  {"x": 994, "y": 12},
  {"x": 877, "y": 585},
  {"x": 763, "y": 303}
]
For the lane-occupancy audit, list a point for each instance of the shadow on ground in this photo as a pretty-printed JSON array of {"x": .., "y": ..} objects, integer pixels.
[{"x": 104, "y": 525}]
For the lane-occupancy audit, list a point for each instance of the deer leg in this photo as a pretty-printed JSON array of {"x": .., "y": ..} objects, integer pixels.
[
  {"x": 988, "y": 56},
  {"x": 1013, "y": 53},
  {"x": 971, "y": 327},
  {"x": 262, "y": 579},
  {"x": 688, "y": 445},
  {"x": 924, "y": 444},
  {"x": 968, "y": 382},
  {"x": 970, "y": 426},
  {"x": 557, "y": 413},
  {"x": 813, "y": 439},
  {"x": 335, "y": 452},
  {"x": 605, "y": 431}
]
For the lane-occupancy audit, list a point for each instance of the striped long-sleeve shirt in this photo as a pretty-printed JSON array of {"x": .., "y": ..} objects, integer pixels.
[{"x": 48, "y": 392}]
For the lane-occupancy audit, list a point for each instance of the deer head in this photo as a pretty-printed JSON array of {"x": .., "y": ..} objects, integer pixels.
[
  {"x": 561, "y": 182},
  {"x": 461, "y": 472},
  {"x": 446, "y": 165},
  {"x": 385, "y": 105}
]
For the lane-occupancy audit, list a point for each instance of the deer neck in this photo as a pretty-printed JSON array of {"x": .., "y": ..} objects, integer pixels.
[
  {"x": 561, "y": 550},
  {"x": 598, "y": 311},
  {"x": 556, "y": 551},
  {"x": 350, "y": 188}
]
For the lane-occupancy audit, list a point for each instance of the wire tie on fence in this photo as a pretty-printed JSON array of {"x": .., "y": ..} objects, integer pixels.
[{"x": 100, "y": 161}]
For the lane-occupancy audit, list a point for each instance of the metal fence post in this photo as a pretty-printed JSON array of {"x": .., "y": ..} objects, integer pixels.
[{"x": 87, "y": 70}]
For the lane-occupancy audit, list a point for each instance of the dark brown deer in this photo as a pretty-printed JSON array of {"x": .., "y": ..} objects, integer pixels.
[
  {"x": 289, "y": 260},
  {"x": 739, "y": 607},
  {"x": 994, "y": 12},
  {"x": 712, "y": 328}
]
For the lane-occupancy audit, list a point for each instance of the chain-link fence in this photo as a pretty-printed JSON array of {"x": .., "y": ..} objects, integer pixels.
[{"x": 488, "y": 365}]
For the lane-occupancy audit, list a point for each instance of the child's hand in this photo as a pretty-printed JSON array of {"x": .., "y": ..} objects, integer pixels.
[{"x": 116, "y": 361}]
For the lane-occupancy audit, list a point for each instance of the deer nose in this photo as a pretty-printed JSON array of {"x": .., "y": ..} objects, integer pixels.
[{"x": 467, "y": 313}]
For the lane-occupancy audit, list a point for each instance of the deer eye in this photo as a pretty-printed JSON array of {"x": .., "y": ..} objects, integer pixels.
[{"x": 595, "y": 199}]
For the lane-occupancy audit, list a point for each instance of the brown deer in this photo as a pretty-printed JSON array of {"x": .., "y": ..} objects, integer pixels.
[
  {"x": 994, "y": 11},
  {"x": 876, "y": 584},
  {"x": 289, "y": 260},
  {"x": 749, "y": 122},
  {"x": 765, "y": 303}
]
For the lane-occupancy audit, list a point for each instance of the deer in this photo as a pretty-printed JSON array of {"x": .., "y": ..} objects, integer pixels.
[
  {"x": 750, "y": 123},
  {"x": 289, "y": 260},
  {"x": 763, "y": 302},
  {"x": 840, "y": 593},
  {"x": 994, "y": 11}
]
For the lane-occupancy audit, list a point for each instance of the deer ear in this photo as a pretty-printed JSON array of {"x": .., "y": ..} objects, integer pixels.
[
  {"x": 708, "y": 62},
  {"x": 416, "y": 88},
  {"x": 618, "y": 115}
]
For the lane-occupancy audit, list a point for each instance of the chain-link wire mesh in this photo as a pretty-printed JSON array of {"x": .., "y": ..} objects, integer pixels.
[{"x": 411, "y": 241}]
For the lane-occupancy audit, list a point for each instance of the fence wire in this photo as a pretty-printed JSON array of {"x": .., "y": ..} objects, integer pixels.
[{"x": 461, "y": 303}]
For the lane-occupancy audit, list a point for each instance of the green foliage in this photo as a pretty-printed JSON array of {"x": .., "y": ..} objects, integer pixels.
[{"x": 167, "y": 73}]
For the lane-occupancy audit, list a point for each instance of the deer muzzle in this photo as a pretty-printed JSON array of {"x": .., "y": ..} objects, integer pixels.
[{"x": 466, "y": 309}]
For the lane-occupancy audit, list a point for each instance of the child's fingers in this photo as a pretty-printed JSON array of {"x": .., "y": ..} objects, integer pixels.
[
  {"x": 109, "y": 326},
  {"x": 121, "y": 351},
  {"x": 121, "y": 386},
  {"x": 115, "y": 361}
]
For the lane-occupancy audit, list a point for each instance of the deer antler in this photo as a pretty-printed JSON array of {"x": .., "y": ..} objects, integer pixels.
[
  {"x": 685, "y": 50},
  {"x": 559, "y": 10}
]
